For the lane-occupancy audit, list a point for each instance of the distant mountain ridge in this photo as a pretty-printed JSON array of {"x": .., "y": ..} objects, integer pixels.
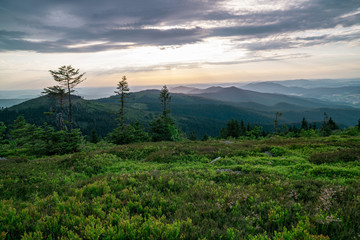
[
  {"x": 206, "y": 110},
  {"x": 4, "y": 103},
  {"x": 349, "y": 95},
  {"x": 239, "y": 96}
]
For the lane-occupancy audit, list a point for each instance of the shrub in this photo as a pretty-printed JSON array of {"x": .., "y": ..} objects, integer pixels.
[
  {"x": 277, "y": 151},
  {"x": 349, "y": 155},
  {"x": 44, "y": 140},
  {"x": 163, "y": 129},
  {"x": 129, "y": 134}
]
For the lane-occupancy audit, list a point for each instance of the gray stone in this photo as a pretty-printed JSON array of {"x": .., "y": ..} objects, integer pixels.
[
  {"x": 269, "y": 153},
  {"x": 216, "y": 159}
]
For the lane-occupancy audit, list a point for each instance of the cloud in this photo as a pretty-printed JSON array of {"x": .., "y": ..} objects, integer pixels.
[{"x": 74, "y": 26}]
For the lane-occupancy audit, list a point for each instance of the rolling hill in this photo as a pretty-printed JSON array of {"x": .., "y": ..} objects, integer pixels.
[{"x": 191, "y": 113}]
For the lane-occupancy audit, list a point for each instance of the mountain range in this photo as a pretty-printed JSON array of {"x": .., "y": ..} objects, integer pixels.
[
  {"x": 204, "y": 111},
  {"x": 348, "y": 95}
]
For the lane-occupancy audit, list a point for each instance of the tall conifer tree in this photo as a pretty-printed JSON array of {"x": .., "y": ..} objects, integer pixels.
[
  {"x": 123, "y": 92},
  {"x": 68, "y": 77}
]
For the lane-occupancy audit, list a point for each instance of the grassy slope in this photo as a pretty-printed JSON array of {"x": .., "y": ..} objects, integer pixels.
[{"x": 308, "y": 188}]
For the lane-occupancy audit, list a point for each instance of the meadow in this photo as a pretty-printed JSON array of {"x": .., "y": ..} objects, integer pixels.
[{"x": 273, "y": 188}]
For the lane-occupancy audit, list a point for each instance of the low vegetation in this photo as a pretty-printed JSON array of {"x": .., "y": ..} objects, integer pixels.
[{"x": 274, "y": 188}]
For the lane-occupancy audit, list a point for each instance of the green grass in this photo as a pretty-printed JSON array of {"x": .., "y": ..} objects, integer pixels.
[{"x": 308, "y": 189}]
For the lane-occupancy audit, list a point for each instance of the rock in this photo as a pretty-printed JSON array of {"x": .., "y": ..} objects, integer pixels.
[
  {"x": 216, "y": 159},
  {"x": 269, "y": 153},
  {"x": 1, "y": 158},
  {"x": 226, "y": 142}
]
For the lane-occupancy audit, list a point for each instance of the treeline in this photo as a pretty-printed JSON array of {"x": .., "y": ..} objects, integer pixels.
[{"x": 236, "y": 129}]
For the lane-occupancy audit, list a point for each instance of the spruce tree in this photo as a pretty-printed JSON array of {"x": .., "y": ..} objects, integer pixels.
[
  {"x": 248, "y": 127},
  {"x": 94, "y": 137},
  {"x": 165, "y": 99},
  {"x": 242, "y": 128},
  {"x": 205, "y": 137},
  {"x": 163, "y": 128},
  {"x": 126, "y": 133},
  {"x": 304, "y": 124},
  {"x": 332, "y": 125},
  {"x": 122, "y": 91},
  {"x": 232, "y": 129},
  {"x": 2, "y": 131}
]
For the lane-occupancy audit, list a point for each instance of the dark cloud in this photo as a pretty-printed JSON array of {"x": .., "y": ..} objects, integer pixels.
[{"x": 56, "y": 25}]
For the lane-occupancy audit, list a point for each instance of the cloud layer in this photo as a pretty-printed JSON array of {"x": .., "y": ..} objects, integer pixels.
[{"x": 93, "y": 26}]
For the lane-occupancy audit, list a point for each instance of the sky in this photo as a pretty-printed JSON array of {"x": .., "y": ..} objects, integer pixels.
[{"x": 155, "y": 42}]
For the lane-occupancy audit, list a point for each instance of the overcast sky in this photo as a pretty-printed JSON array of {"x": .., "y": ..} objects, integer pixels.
[{"x": 178, "y": 41}]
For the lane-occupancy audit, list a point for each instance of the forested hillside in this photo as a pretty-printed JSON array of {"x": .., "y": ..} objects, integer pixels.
[
  {"x": 191, "y": 113},
  {"x": 200, "y": 113}
]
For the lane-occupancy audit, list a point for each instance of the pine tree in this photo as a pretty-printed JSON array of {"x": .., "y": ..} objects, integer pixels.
[
  {"x": 94, "y": 137},
  {"x": 160, "y": 128},
  {"x": 232, "y": 129},
  {"x": 2, "y": 131},
  {"x": 332, "y": 125},
  {"x": 205, "y": 137},
  {"x": 242, "y": 128},
  {"x": 122, "y": 91},
  {"x": 163, "y": 128},
  {"x": 248, "y": 127},
  {"x": 304, "y": 124},
  {"x": 295, "y": 129},
  {"x": 128, "y": 134},
  {"x": 165, "y": 99},
  {"x": 68, "y": 77}
]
